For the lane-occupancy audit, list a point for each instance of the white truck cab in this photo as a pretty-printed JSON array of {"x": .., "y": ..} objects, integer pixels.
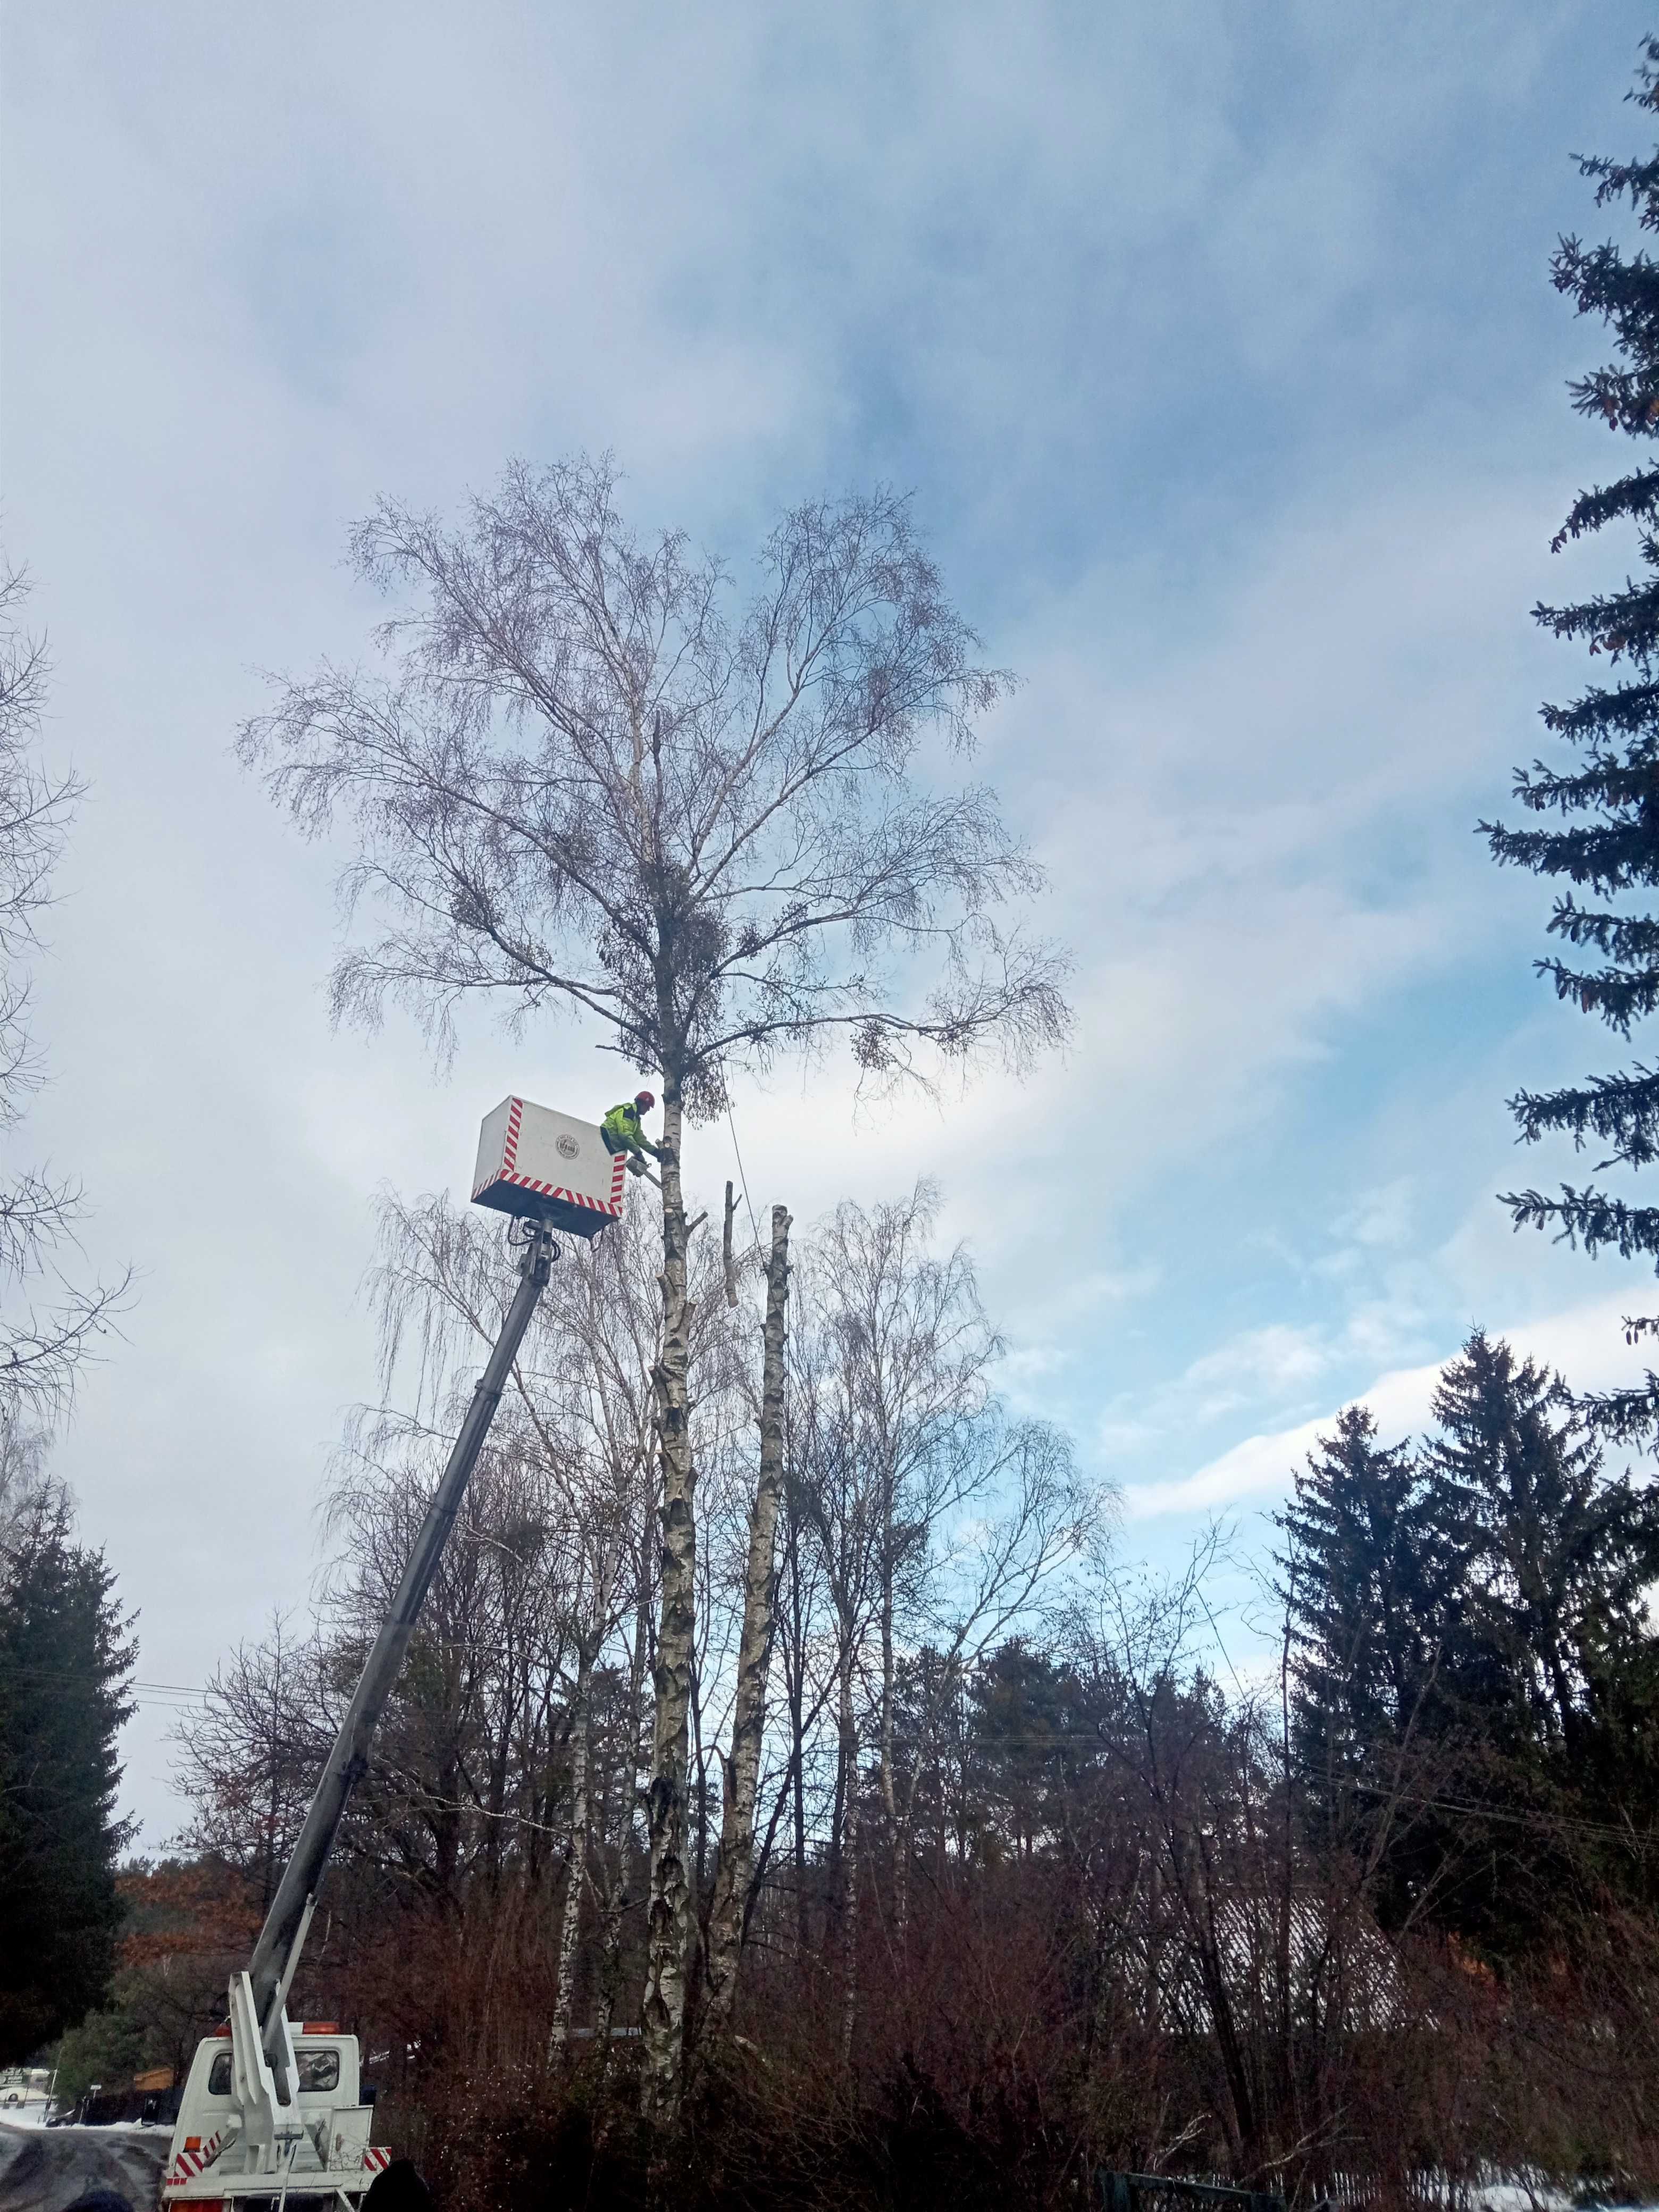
[{"x": 216, "y": 2159}]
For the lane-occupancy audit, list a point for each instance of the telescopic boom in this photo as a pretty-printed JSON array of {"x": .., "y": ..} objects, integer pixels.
[{"x": 277, "y": 1951}]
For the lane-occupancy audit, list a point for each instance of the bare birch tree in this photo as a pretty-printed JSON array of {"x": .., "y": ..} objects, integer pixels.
[
  {"x": 915, "y": 1348},
  {"x": 41, "y": 1345},
  {"x": 938, "y": 1519},
  {"x": 581, "y": 784},
  {"x": 578, "y": 1423},
  {"x": 984, "y": 1582}
]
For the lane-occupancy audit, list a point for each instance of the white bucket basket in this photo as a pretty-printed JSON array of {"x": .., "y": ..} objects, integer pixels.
[{"x": 533, "y": 1161}]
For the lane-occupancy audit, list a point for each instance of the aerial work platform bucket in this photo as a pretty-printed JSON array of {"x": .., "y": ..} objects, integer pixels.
[{"x": 533, "y": 1161}]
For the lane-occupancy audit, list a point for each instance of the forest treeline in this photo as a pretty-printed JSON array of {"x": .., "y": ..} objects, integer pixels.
[{"x": 1040, "y": 1882}]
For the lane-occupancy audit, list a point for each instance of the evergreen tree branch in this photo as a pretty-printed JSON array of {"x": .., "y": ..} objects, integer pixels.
[
  {"x": 1630, "y": 939},
  {"x": 1620, "y": 1110},
  {"x": 1611, "y": 858},
  {"x": 1636, "y": 496},
  {"x": 1627, "y": 707},
  {"x": 1619, "y": 995},
  {"x": 1588, "y": 1217}
]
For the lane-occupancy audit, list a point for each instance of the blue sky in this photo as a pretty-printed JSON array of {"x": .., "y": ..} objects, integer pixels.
[{"x": 1218, "y": 348}]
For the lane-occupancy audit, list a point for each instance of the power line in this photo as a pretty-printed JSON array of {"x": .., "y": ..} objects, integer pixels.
[
  {"x": 78, "y": 1674},
  {"x": 730, "y": 1124}
]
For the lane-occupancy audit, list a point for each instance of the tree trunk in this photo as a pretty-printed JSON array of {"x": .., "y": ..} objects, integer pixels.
[
  {"x": 904, "y": 1829},
  {"x": 849, "y": 1854},
  {"x": 611, "y": 1913},
  {"x": 742, "y": 1769},
  {"x": 668, "y": 1910},
  {"x": 576, "y": 1884},
  {"x": 889, "y": 1797},
  {"x": 617, "y": 1898},
  {"x": 794, "y": 1675}
]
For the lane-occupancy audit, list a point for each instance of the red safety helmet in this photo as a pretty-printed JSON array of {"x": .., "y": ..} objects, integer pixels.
[{"x": 643, "y": 1100}]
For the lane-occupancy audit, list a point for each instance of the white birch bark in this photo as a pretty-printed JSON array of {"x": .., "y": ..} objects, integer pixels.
[
  {"x": 669, "y": 1915},
  {"x": 849, "y": 1858},
  {"x": 576, "y": 1881},
  {"x": 898, "y": 1839},
  {"x": 616, "y": 1898},
  {"x": 742, "y": 1769}
]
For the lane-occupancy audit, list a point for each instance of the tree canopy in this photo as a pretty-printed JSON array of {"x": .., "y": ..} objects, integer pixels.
[{"x": 587, "y": 779}]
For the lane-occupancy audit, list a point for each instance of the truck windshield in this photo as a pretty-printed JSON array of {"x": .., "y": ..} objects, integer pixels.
[{"x": 318, "y": 2069}]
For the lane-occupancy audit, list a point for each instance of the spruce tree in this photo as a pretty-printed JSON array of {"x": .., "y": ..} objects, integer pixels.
[
  {"x": 1604, "y": 841},
  {"x": 1553, "y": 1685},
  {"x": 1475, "y": 1681},
  {"x": 1359, "y": 1579},
  {"x": 1556, "y": 1557},
  {"x": 1370, "y": 1590},
  {"x": 65, "y": 1659}
]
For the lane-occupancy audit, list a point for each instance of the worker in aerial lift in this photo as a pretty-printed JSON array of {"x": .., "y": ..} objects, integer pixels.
[{"x": 621, "y": 1131}]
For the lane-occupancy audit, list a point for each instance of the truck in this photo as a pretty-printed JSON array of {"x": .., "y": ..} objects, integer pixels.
[{"x": 273, "y": 2112}]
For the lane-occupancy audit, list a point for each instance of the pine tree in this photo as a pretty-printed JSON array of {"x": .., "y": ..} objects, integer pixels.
[
  {"x": 1608, "y": 797},
  {"x": 64, "y": 1661}
]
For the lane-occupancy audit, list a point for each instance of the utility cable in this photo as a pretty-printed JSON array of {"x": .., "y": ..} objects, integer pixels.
[
  {"x": 1219, "y": 1645},
  {"x": 730, "y": 1124}
]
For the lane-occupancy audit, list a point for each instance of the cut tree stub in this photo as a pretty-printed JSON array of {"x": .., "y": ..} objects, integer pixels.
[{"x": 549, "y": 1167}]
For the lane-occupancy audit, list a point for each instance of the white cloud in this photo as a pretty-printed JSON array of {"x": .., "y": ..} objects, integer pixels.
[
  {"x": 1258, "y": 1363},
  {"x": 1382, "y": 1218},
  {"x": 1584, "y": 1342},
  {"x": 1215, "y": 440}
]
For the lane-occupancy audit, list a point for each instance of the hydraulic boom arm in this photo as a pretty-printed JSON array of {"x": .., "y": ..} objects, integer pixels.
[{"x": 277, "y": 1951}]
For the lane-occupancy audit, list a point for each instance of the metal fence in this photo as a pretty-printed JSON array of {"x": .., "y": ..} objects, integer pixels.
[{"x": 1160, "y": 2193}]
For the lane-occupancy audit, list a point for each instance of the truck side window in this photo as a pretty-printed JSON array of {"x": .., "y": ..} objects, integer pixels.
[{"x": 219, "y": 2075}]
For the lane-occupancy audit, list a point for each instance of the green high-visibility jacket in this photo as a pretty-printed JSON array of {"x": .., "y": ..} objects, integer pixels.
[{"x": 621, "y": 1125}]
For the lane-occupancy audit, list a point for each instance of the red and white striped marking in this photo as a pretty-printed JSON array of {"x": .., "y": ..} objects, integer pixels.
[
  {"x": 190, "y": 2163},
  {"x": 507, "y": 1173}
]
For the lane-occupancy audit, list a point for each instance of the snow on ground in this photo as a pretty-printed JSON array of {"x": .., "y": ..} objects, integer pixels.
[{"x": 43, "y": 2169}]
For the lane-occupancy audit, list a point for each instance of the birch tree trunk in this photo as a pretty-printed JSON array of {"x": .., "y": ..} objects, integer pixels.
[
  {"x": 742, "y": 1769},
  {"x": 794, "y": 1668},
  {"x": 616, "y": 1899},
  {"x": 576, "y": 1882},
  {"x": 610, "y": 1923},
  {"x": 849, "y": 1854},
  {"x": 669, "y": 1907},
  {"x": 904, "y": 1826},
  {"x": 896, "y": 1840}
]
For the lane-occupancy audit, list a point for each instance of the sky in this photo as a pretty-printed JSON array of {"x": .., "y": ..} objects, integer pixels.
[{"x": 1217, "y": 348}]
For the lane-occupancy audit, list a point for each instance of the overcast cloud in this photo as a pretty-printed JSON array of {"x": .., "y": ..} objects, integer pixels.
[{"x": 1217, "y": 346}]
